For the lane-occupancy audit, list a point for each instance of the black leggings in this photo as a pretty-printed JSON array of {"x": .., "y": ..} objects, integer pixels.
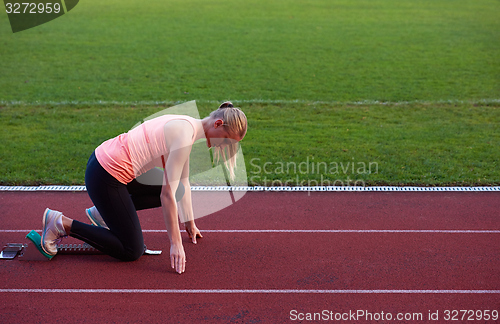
[{"x": 117, "y": 203}]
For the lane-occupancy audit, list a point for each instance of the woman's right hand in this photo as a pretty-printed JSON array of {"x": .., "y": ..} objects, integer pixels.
[
  {"x": 177, "y": 258},
  {"x": 192, "y": 231}
]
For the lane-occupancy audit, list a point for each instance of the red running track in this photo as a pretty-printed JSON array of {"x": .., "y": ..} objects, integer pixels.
[{"x": 353, "y": 260}]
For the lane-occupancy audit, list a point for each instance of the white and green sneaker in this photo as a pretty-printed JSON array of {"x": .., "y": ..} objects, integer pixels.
[
  {"x": 94, "y": 216},
  {"x": 53, "y": 231}
]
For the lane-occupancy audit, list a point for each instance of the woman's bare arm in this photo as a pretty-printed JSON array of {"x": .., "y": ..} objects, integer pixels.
[
  {"x": 186, "y": 206},
  {"x": 178, "y": 136}
]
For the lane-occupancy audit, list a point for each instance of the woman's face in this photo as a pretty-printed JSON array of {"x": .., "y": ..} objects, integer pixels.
[{"x": 218, "y": 135}]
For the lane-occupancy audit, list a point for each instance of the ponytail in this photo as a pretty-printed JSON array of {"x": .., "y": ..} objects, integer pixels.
[{"x": 237, "y": 124}]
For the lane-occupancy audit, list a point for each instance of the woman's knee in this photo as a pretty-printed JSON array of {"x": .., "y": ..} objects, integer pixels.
[
  {"x": 133, "y": 254},
  {"x": 130, "y": 257}
]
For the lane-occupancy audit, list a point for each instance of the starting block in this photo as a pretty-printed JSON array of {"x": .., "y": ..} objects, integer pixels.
[
  {"x": 32, "y": 251},
  {"x": 11, "y": 250}
]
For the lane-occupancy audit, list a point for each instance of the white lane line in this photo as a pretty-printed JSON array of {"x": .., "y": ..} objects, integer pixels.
[
  {"x": 355, "y": 231},
  {"x": 246, "y": 291},
  {"x": 314, "y": 231}
]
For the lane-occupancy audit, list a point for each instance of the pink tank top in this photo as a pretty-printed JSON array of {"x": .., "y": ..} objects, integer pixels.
[{"x": 129, "y": 155}]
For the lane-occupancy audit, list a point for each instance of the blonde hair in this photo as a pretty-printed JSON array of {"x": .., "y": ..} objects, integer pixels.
[{"x": 236, "y": 122}]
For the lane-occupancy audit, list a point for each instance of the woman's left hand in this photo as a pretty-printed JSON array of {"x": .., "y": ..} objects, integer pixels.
[
  {"x": 192, "y": 231},
  {"x": 177, "y": 258}
]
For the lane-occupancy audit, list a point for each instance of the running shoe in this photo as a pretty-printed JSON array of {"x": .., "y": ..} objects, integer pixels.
[
  {"x": 94, "y": 216},
  {"x": 53, "y": 231}
]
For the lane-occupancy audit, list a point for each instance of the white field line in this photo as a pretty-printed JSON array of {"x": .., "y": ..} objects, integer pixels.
[
  {"x": 244, "y": 101},
  {"x": 247, "y": 291},
  {"x": 315, "y": 231}
]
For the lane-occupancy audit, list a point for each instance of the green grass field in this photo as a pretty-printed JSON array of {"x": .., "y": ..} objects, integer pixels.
[{"x": 311, "y": 76}]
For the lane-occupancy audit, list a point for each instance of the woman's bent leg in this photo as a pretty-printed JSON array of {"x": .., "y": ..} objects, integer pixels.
[
  {"x": 124, "y": 239},
  {"x": 145, "y": 191},
  {"x": 144, "y": 196}
]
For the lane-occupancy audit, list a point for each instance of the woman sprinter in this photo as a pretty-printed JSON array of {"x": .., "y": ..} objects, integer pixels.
[{"x": 111, "y": 181}]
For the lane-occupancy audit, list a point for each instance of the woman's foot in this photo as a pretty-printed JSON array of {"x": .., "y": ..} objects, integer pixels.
[
  {"x": 95, "y": 217},
  {"x": 53, "y": 231}
]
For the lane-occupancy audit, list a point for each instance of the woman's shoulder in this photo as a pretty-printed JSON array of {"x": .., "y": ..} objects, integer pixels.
[{"x": 178, "y": 130}]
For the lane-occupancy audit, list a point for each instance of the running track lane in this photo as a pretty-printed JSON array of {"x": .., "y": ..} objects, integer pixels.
[{"x": 260, "y": 277}]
